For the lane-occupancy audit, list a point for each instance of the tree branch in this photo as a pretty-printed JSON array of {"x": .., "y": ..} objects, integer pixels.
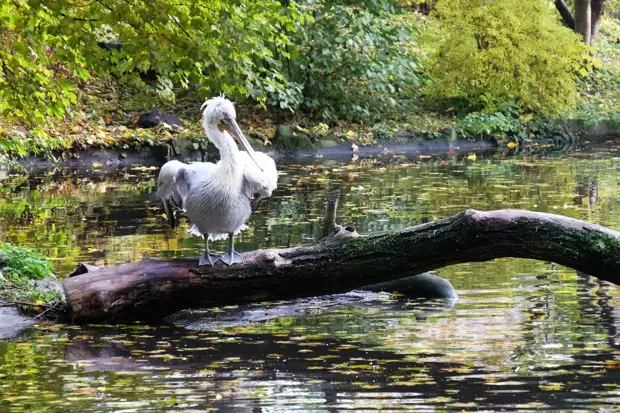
[
  {"x": 342, "y": 262},
  {"x": 567, "y": 16}
]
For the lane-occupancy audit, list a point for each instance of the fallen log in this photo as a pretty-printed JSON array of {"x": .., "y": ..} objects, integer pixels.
[{"x": 342, "y": 261}]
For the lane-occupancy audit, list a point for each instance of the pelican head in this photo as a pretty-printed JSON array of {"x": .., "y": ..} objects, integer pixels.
[{"x": 220, "y": 112}]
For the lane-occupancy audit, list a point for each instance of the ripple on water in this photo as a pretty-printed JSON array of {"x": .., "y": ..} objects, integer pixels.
[{"x": 523, "y": 336}]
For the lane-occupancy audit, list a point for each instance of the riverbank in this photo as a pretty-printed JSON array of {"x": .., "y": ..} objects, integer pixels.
[{"x": 291, "y": 142}]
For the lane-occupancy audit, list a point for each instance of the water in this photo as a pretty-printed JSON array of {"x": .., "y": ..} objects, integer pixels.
[{"x": 523, "y": 336}]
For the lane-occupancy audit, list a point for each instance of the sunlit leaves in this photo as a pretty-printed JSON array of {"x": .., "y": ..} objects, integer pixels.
[
  {"x": 221, "y": 47},
  {"x": 484, "y": 55}
]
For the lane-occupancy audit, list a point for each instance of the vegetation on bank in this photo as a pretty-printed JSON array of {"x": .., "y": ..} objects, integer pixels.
[
  {"x": 21, "y": 274},
  {"x": 353, "y": 71}
]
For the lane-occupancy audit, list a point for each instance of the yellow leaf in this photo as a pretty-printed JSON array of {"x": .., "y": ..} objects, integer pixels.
[
  {"x": 512, "y": 145},
  {"x": 527, "y": 118},
  {"x": 472, "y": 157},
  {"x": 97, "y": 165}
]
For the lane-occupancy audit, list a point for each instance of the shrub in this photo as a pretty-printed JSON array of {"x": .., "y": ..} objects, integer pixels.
[
  {"x": 339, "y": 59},
  {"x": 486, "y": 53},
  {"x": 355, "y": 61},
  {"x": 21, "y": 264},
  {"x": 48, "y": 47},
  {"x": 501, "y": 123}
]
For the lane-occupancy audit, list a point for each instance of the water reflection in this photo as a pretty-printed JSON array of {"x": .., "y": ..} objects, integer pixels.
[
  {"x": 547, "y": 342},
  {"x": 524, "y": 335},
  {"x": 106, "y": 219}
]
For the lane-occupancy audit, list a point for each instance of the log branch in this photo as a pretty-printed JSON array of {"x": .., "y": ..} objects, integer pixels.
[{"x": 342, "y": 262}]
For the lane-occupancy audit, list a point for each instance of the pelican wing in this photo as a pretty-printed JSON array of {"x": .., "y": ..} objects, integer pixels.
[
  {"x": 258, "y": 184},
  {"x": 182, "y": 184},
  {"x": 173, "y": 185},
  {"x": 167, "y": 192}
]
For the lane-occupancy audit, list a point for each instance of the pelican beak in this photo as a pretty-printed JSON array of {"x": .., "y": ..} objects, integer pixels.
[{"x": 240, "y": 137}]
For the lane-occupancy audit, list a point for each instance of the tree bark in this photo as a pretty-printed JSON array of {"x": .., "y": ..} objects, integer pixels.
[
  {"x": 596, "y": 10},
  {"x": 587, "y": 18},
  {"x": 567, "y": 16},
  {"x": 343, "y": 261},
  {"x": 583, "y": 19}
]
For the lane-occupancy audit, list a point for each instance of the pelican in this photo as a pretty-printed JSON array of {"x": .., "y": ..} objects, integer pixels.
[{"x": 216, "y": 197}]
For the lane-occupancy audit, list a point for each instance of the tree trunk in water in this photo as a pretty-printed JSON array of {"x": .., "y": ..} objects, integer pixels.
[
  {"x": 583, "y": 19},
  {"x": 343, "y": 261}
]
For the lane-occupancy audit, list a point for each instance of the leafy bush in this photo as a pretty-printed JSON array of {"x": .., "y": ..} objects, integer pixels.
[
  {"x": 339, "y": 59},
  {"x": 354, "y": 61},
  {"x": 23, "y": 264},
  {"x": 48, "y": 47},
  {"x": 486, "y": 53},
  {"x": 501, "y": 123},
  {"x": 19, "y": 268}
]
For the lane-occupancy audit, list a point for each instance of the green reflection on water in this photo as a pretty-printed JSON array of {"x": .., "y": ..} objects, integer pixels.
[
  {"x": 525, "y": 328},
  {"x": 106, "y": 220}
]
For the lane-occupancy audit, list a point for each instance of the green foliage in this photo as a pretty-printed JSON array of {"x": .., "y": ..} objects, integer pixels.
[
  {"x": 32, "y": 84},
  {"x": 507, "y": 123},
  {"x": 216, "y": 46},
  {"x": 23, "y": 264},
  {"x": 19, "y": 267},
  {"x": 590, "y": 115},
  {"x": 355, "y": 61},
  {"x": 339, "y": 59},
  {"x": 486, "y": 53},
  {"x": 501, "y": 123}
]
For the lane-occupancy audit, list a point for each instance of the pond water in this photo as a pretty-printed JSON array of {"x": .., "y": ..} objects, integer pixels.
[{"x": 523, "y": 336}]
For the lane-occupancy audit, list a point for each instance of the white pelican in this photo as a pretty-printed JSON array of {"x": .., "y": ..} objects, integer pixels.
[
  {"x": 257, "y": 185},
  {"x": 215, "y": 196}
]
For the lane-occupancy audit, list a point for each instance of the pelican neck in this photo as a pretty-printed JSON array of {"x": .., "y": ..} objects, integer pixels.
[{"x": 225, "y": 143}]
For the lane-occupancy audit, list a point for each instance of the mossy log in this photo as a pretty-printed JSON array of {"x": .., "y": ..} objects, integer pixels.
[{"x": 342, "y": 261}]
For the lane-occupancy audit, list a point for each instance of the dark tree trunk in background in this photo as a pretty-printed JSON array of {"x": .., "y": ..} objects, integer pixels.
[
  {"x": 596, "y": 9},
  {"x": 586, "y": 20},
  {"x": 343, "y": 261},
  {"x": 583, "y": 19},
  {"x": 567, "y": 16}
]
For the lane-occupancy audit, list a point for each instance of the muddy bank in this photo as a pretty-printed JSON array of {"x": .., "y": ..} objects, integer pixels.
[
  {"x": 12, "y": 322},
  {"x": 109, "y": 160}
]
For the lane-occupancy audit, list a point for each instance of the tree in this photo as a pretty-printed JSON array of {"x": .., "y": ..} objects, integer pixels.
[
  {"x": 47, "y": 47},
  {"x": 489, "y": 53},
  {"x": 586, "y": 20}
]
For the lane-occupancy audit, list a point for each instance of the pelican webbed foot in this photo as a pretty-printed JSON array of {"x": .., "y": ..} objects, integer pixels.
[
  {"x": 231, "y": 257},
  {"x": 209, "y": 259}
]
